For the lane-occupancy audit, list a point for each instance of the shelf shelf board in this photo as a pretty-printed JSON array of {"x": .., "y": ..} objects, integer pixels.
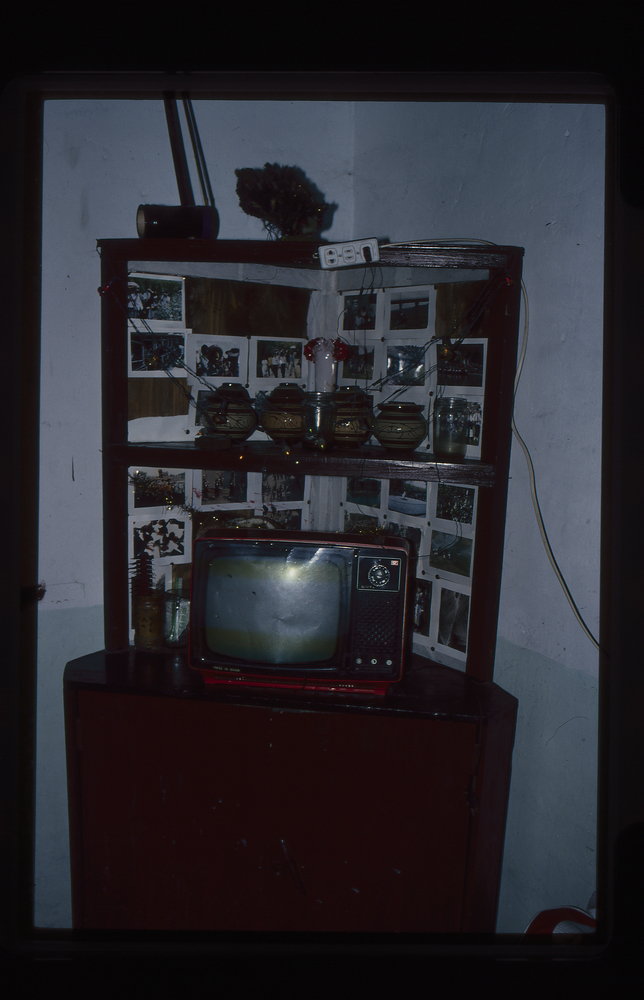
[{"x": 366, "y": 462}]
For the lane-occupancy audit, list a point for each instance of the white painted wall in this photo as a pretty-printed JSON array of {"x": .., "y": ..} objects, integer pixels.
[{"x": 523, "y": 174}]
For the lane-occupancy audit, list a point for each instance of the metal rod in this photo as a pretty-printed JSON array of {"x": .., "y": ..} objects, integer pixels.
[
  {"x": 197, "y": 148},
  {"x": 178, "y": 151}
]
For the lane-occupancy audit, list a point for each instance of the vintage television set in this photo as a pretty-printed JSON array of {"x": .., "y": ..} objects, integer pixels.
[{"x": 299, "y": 609}]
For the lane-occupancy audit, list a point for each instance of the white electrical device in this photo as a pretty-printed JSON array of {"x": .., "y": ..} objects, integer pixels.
[{"x": 346, "y": 254}]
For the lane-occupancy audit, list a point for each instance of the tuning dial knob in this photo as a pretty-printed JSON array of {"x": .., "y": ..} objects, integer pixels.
[{"x": 378, "y": 575}]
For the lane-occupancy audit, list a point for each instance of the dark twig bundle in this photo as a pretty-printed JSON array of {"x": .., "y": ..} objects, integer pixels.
[{"x": 284, "y": 199}]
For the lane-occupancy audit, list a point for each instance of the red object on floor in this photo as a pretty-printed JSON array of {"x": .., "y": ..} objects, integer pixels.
[{"x": 546, "y": 921}]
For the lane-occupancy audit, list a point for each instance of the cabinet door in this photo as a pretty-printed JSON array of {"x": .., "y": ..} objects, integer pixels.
[
  {"x": 370, "y": 813},
  {"x": 206, "y": 816}
]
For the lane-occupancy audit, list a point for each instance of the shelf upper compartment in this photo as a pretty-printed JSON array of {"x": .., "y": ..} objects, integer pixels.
[
  {"x": 303, "y": 254},
  {"x": 370, "y": 461}
]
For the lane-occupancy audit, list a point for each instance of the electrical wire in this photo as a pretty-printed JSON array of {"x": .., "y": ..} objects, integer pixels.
[{"x": 533, "y": 485}]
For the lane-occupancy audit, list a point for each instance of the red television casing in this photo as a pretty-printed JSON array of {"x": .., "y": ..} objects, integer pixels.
[{"x": 354, "y": 636}]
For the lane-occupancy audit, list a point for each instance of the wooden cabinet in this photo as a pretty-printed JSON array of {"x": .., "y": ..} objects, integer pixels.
[
  {"x": 194, "y": 809},
  {"x": 201, "y": 809}
]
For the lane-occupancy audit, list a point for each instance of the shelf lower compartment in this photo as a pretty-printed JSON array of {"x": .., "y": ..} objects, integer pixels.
[{"x": 367, "y": 461}]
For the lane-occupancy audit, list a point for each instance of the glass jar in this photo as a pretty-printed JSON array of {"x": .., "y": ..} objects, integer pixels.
[
  {"x": 176, "y": 618},
  {"x": 451, "y": 422},
  {"x": 147, "y": 613},
  {"x": 319, "y": 412}
]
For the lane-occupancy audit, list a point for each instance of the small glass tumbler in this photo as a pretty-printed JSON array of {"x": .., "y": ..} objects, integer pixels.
[
  {"x": 451, "y": 418},
  {"x": 319, "y": 412},
  {"x": 176, "y": 618}
]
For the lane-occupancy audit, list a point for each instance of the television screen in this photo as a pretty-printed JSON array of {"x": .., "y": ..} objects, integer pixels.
[{"x": 289, "y": 605}]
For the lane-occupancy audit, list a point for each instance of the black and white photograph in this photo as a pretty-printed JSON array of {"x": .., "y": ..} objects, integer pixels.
[
  {"x": 462, "y": 365},
  {"x": 203, "y": 397},
  {"x": 155, "y": 299},
  {"x": 280, "y": 360},
  {"x": 455, "y": 503},
  {"x": 422, "y": 607},
  {"x": 157, "y": 487},
  {"x": 355, "y": 524},
  {"x": 204, "y": 520},
  {"x": 220, "y": 358},
  {"x": 163, "y": 539},
  {"x": 409, "y": 310},
  {"x": 222, "y": 487},
  {"x": 359, "y": 364},
  {"x": 360, "y": 312},
  {"x": 364, "y": 492},
  {"x": 279, "y": 487},
  {"x": 474, "y": 422},
  {"x": 398, "y": 530},
  {"x": 154, "y": 353},
  {"x": 405, "y": 364},
  {"x": 408, "y": 497},
  {"x": 451, "y": 553},
  {"x": 287, "y": 518},
  {"x": 454, "y": 609}
]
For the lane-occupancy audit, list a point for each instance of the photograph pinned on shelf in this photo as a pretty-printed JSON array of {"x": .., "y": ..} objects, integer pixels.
[
  {"x": 364, "y": 492},
  {"x": 422, "y": 607},
  {"x": 408, "y": 309},
  {"x": 287, "y": 518},
  {"x": 360, "y": 311},
  {"x": 450, "y": 553},
  {"x": 455, "y": 503},
  {"x": 155, "y": 353},
  {"x": 461, "y": 365},
  {"x": 279, "y": 360},
  {"x": 360, "y": 524},
  {"x": 406, "y": 365},
  {"x": 280, "y": 487},
  {"x": 222, "y": 487},
  {"x": 157, "y": 300},
  {"x": 203, "y": 397},
  {"x": 218, "y": 357},
  {"x": 358, "y": 365},
  {"x": 408, "y": 497},
  {"x": 152, "y": 488},
  {"x": 474, "y": 424},
  {"x": 164, "y": 539},
  {"x": 203, "y": 520},
  {"x": 453, "y": 617},
  {"x": 398, "y": 530}
]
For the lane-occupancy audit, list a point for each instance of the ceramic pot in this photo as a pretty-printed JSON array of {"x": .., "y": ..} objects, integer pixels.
[
  {"x": 354, "y": 418},
  {"x": 282, "y": 418},
  {"x": 400, "y": 426},
  {"x": 230, "y": 412}
]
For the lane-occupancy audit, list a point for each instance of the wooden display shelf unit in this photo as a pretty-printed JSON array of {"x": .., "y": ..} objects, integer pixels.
[{"x": 297, "y": 264}]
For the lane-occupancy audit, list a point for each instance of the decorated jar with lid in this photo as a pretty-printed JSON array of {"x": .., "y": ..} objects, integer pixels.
[
  {"x": 354, "y": 417},
  {"x": 282, "y": 417},
  {"x": 229, "y": 411},
  {"x": 400, "y": 426}
]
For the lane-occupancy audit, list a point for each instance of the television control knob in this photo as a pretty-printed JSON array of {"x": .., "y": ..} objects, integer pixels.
[
  {"x": 358, "y": 659},
  {"x": 389, "y": 663},
  {"x": 373, "y": 661},
  {"x": 378, "y": 575}
]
